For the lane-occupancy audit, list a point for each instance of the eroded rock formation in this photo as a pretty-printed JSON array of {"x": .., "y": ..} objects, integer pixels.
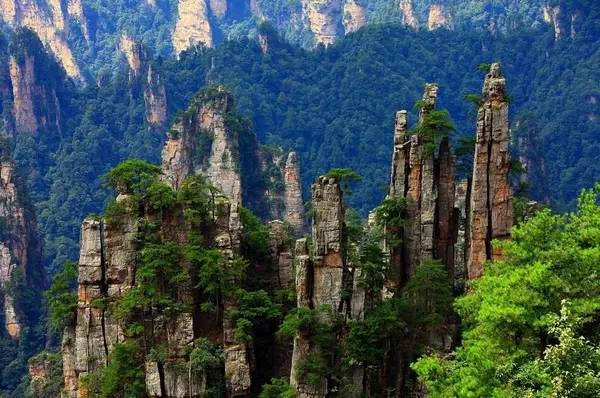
[
  {"x": 49, "y": 23},
  {"x": 20, "y": 246},
  {"x": 155, "y": 98},
  {"x": 320, "y": 278},
  {"x": 427, "y": 184},
  {"x": 408, "y": 14},
  {"x": 438, "y": 17},
  {"x": 36, "y": 107},
  {"x": 323, "y": 19},
  {"x": 294, "y": 206},
  {"x": 490, "y": 214},
  {"x": 193, "y": 26},
  {"x": 354, "y": 16},
  {"x": 201, "y": 141}
]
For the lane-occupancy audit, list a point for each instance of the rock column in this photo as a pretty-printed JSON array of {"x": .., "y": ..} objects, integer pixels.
[
  {"x": 490, "y": 215},
  {"x": 320, "y": 282}
]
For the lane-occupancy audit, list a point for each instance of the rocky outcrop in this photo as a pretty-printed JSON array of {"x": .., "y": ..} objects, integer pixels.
[
  {"x": 48, "y": 23},
  {"x": 320, "y": 278},
  {"x": 408, "y": 14},
  {"x": 218, "y": 7},
  {"x": 23, "y": 83},
  {"x": 281, "y": 254},
  {"x": 155, "y": 98},
  {"x": 201, "y": 141},
  {"x": 438, "y": 17},
  {"x": 192, "y": 27},
  {"x": 20, "y": 246},
  {"x": 490, "y": 214},
  {"x": 133, "y": 53},
  {"x": 354, "y": 16},
  {"x": 75, "y": 10},
  {"x": 323, "y": 19},
  {"x": 461, "y": 213},
  {"x": 294, "y": 206},
  {"x": 36, "y": 107}
]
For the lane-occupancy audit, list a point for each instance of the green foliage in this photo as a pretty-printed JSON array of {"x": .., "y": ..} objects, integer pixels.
[
  {"x": 474, "y": 98},
  {"x": 429, "y": 294},
  {"x": 124, "y": 375},
  {"x": 52, "y": 385},
  {"x": 132, "y": 176},
  {"x": 391, "y": 212},
  {"x": 319, "y": 325},
  {"x": 252, "y": 308},
  {"x": 345, "y": 177},
  {"x": 255, "y": 236},
  {"x": 277, "y": 388},
  {"x": 483, "y": 67},
  {"x": 435, "y": 126},
  {"x": 205, "y": 356},
  {"x": 368, "y": 341},
  {"x": 545, "y": 286},
  {"x": 61, "y": 297}
]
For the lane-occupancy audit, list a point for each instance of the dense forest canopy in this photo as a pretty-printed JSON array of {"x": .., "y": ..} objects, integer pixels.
[{"x": 334, "y": 106}]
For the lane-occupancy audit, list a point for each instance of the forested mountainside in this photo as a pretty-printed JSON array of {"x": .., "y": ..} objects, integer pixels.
[
  {"x": 182, "y": 292},
  {"x": 332, "y": 106},
  {"x": 262, "y": 117},
  {"x": 86, "y": 35}
]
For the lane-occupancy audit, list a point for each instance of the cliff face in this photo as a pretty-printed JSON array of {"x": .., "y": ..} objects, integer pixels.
[
  {"x": 293, "y": 204},
  {"x": 155, "y": 98},
  {"x": 19, "y": 246},
  {"x": 491, "y": 204},
  {"x": 355, "y": 16},
  {"x": 36, "y": 107},
  {"x": 320, "y": 277},
  {"x": 323, "y": 19},
  {"x": 193, "y": 26},
  {"x": 48, "y": 21},
  {"x": 206, "y": 140},
  {"x": 438, "y": 17},
  {"x": 203, "y": 142},
  {"x": 211, "y": 139},
  {"x": 427, "y": 184}
]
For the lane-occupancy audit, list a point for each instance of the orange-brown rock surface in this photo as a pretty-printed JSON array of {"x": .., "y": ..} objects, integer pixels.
[
  {"x": 193, "y": 26},
  {"x": 490, "y": 214}
]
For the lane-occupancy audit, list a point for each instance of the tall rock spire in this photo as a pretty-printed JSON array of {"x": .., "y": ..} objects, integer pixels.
[
  {"x": 201, "y": 141},
  {"x": 294, "y": 207},
  {"x": 320, "y": 282},
  {"x": 490, "y": 215}
]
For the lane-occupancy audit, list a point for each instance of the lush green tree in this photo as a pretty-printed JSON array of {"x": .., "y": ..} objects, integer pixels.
[{"x": 510, "y": 315}]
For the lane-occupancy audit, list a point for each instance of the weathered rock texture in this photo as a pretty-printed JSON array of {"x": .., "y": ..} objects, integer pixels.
[
  {"x": 293, "y": 204},
  {"x": 202, "y": 142},
  {"x": 427, "y": 184},
  {"x": 36, "y": 107},
  {"x": 107, "y": 267},
  {"x": 49, "y": 22},
  {"x": 490, "y": 214},
  {"x": 408, "y": 14},
  {"x": 323, "y": 19},
  {"x": 155, "y": 98},
  {"x": 355, "y": 16},
  {"x": 20, "y": 246},
  {"x": 218, "y": 8},
  {"x": 320, "y": 280},
  {"x": 193, "y": 26},
  {"x": 437, "y": 17},
  {"x": 134, "y": 54},
  {"x": 211, "y": 139}
]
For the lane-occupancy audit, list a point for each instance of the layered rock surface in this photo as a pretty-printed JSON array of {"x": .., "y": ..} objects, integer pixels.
[
  {"x": 193, "y": 26},
  {"x": 20, "y": 247},
  {"x": 490, "y": 214}
]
